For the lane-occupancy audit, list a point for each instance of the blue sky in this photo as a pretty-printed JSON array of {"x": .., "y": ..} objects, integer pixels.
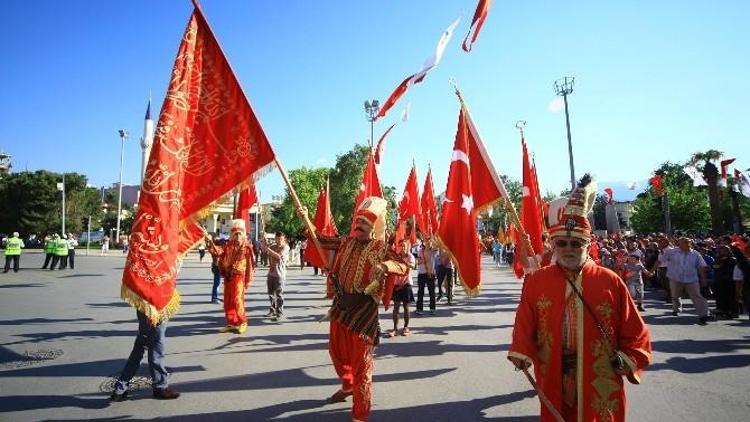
[{"x": 655, "y": 81}]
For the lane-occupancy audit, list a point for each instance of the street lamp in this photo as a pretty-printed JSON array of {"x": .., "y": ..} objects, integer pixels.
[
  {"x": 371, "y": 111},
  {"x": 123, "y": 135},
  {"x": 563, "y": 88}
]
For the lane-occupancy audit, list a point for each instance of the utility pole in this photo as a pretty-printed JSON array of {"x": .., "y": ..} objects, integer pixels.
[
  {"x": 563, "y": 88},
  {"x": 123, "y": 136},
  {"x": 371, "y": 111}
]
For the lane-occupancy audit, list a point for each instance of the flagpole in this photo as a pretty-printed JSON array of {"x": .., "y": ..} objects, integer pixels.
[
  {"x": 508, "y": 205},
  {"x": 305, "y": 218}
]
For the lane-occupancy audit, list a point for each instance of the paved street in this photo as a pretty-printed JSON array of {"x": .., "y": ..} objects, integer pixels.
[{"x": 66, "y": 333}]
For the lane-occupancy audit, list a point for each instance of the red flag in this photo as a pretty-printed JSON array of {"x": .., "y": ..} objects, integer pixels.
[
  {"x": 517, "y": 266},
  {"x": 473, "y": 184},
  {"x": 531, "y": 217},
  {"x": 428, "y": 206},
  {"x": 381, "y": 145},
  {"x": 724, "y": 165},
  {"x": 207, "y": 141},
  {"x": 324, "y": 224},
  {"x": 610, "y": 194},
  {"x": 483, "y": 8},
  {"x": 370, "y": 184},
  {"x": 248, "y": 198},
  {"x": 409, "y": 205},
  {"x": 657, "y": 184},
  {"x": 419, "y": 76}
]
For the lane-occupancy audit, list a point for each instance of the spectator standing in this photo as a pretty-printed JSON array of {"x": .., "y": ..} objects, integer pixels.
[
  {"x": 685, "y": 270},
  {"x": 278, "y": 255}
]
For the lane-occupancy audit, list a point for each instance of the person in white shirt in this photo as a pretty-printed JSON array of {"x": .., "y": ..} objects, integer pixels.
[{"x": 686, "y": 269}]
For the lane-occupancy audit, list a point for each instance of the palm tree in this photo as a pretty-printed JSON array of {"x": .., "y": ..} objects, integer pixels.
[{"x": 703, "y": 162}]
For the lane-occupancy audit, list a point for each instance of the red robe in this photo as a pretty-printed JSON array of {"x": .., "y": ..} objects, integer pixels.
[
  {"x": 538, "y": 337},
  {"x": 236, "y": 265},
  {"x": 353, "y": 331}
]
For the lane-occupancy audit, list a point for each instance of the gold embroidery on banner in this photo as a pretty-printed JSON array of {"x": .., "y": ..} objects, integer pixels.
[
  {"x": 543, "y": 334},
  {"x": 605, "y": 382}
]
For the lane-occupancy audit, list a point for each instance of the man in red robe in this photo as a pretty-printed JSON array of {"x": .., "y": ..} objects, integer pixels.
[
  {"x": 356, "y": 284},
  {"x": 581, "y": 346},
  {"x": 236, "y": 265}
]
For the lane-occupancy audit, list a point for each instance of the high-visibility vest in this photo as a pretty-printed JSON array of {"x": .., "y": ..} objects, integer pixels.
[
  {"x": 13, "y": 246},
  {"x": 61, "y": 247},
  {"x": 49, "y": 246}
]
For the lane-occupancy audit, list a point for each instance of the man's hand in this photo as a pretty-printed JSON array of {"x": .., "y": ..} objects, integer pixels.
[
  {"x": 520, "y": 364},
  {"x": 379, "y": 271},
  {"x": 302, "y": 213}
]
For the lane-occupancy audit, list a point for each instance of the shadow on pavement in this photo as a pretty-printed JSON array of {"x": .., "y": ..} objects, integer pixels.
[{"x": 290, "y": 378}]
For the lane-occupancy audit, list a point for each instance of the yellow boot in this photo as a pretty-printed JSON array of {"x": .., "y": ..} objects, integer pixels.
[{"x": 242, "y": 328}]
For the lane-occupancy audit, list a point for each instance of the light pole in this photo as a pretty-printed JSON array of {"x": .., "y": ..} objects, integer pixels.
[
  {"x": 563, "y": 88},
  {"x": 371, "y": 110},
  {"x": 123, "y": 136}
]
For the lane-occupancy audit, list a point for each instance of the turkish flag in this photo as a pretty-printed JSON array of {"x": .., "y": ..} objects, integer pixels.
[
  {"x": 531, "y": 209},
  {"x": 610, "y": 194},
  {"x": 207, "y": 141},
  {"x": 409, "y": 205},
  {"x": 473, "y": 183},
  {"x": 480, "y": 14},
  {"x": 429, "y": 207},
  {"x": 370, "y": 185},
  {"x": 418, "y": 77},
  {"x": 324, "y": 224},
  {"x": 248, "y": 198}
]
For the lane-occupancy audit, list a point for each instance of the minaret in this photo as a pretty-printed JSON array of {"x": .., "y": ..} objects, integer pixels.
[{"x": 147, "y": 139}]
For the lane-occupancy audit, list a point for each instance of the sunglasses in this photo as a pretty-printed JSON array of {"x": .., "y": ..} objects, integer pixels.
[{"x": 575, "y": 244}]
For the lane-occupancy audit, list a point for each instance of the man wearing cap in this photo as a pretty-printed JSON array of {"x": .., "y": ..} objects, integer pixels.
[
  {"x": 236, "y": 265},
  {"x": 356, "y": 283},
  {"x": 578, "y": 326},
  {"x": 13, "y": 246}
]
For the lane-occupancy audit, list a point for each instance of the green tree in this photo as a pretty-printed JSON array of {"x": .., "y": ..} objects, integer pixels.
[
  {"x": 600, "y": 212},
  {"x": 689, "y": 210},
  {"x": 30, "y": 202},
  {"x": 704, "y": 162},
  {"x": 307, "y": 183},
  {"x": 346, "y": 178},
  {"x": 499, "y": 212}
]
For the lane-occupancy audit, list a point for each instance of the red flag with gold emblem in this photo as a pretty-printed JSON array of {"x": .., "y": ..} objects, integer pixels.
[
  {"x": 207, "y": 141},
  {"x": 409, "y": 205},
  {"x": 531, "y": 210},
  {"x": 473, "y": 184}
]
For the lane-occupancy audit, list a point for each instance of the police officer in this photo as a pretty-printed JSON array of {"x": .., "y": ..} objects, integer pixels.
[
  {"x": 49, "y": 250},
  {"x": 13, "y": 247},
  {"x": 60, "y": 253}
]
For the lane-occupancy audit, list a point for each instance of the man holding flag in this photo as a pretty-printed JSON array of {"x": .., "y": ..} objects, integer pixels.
[
  {"x": 357, "y": 280},
  {"x": 207, "y": 142}
]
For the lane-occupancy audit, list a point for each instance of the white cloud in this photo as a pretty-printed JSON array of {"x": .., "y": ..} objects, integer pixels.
[{"x": 557, "y": 105}]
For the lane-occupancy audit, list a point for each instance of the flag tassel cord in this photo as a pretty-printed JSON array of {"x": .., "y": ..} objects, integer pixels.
[{"x": 515, "y": 220}]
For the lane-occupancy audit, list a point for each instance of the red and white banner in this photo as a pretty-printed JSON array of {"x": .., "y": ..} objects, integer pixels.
[
  {"x": 480, "y": 14},
  {"x": 742, "y": 183},
  {"x": 381, "y": 145},
  {"x": 418, "y": 77}
]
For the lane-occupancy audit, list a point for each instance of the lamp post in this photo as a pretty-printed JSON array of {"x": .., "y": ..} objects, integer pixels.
[
  {"x": 123, "y": 135},
  {"x": 371, "y": 111},
  {"x": 563, "y": 88}
]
